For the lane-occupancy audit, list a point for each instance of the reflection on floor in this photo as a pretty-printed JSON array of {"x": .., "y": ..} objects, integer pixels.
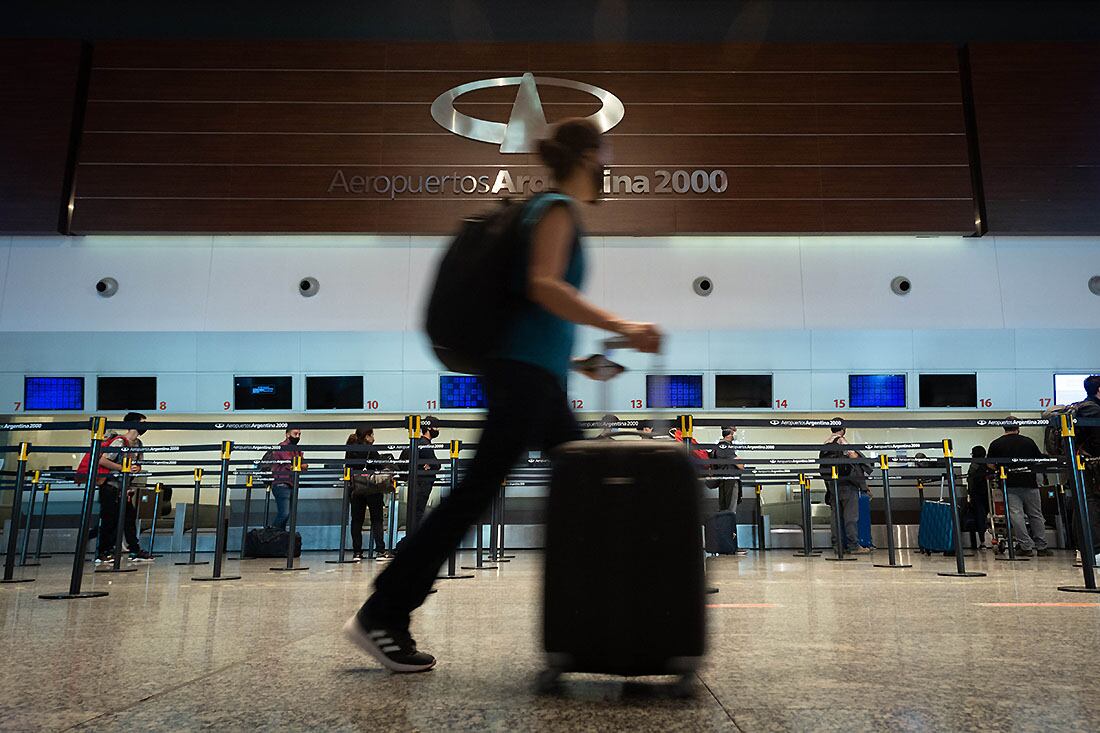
[{"x": 795, "y": 645}]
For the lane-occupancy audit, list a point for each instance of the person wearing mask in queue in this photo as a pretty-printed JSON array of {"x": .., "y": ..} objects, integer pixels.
[
  {"x": 525, "y": 390},
  {"x": 1025, "y": 503},
  {"x": 282, "y": 474},
  {"x": 729, "y": 489},
  {"x": 427, "y": 468},
  {"x": 366, "y": 494},
  {"x": 111, "y": 461},
  {"x": 609, "y": 423},
  {"x": 645, "y": 428},
  {"x": 977, "y": 495},
  {"x": 1088, "y": 447},
  {"x": 850, "y": 482}
]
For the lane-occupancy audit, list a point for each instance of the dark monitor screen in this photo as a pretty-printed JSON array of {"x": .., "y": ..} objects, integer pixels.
[
  {"x": 948, "y": 390},
  {"x": 53, "y": 393},
  {"x": 334, "y": 393},
  {"x": 876, "y": 390},
  {"x": 743, "y": 390},
  {"x": 674, "y": 390},
  {"x": 262, "y": 393},
  {"x": 458, "y": 392},
  {"x": 126, "y": 393}
]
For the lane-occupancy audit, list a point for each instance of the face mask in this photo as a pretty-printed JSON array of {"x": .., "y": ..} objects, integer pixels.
[
  {"x": 433, "y": 433},
  {"x": 142, "y": 432},
  {"x": 294, "y": 440}
]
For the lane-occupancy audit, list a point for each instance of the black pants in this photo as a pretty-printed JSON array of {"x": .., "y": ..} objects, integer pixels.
[
  {"x": 423, "y": 492},
  {"x": 729, "y": 494},
  {"x": 1092, "y": 501},
  {"x": 108, "y": 521},
  {"x": 527, "y": 408},
  {"x": 359, "y": 506}
]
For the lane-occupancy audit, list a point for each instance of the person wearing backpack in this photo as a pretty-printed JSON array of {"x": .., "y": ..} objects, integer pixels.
[
  {"x": 110, "y": 462},
  {"x": 525, "y": 385},
  {"x": 850, "y": 482},
  {"x": 1088, "y": 446}
]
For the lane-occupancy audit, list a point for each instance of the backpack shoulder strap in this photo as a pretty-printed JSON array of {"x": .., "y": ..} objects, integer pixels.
[{"x": 537, "y": 206}]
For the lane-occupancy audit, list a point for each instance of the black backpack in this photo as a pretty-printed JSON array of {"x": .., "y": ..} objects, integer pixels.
[
  {"x": 478, "y": 288},
  {"x": 1052, "y": 433}
]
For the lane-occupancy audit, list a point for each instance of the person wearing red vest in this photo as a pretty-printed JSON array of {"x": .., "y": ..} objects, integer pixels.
[{"x": 110, "y": 462}]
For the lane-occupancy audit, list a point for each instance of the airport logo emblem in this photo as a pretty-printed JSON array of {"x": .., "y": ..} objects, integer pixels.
[{"x": 527, "y": 124}]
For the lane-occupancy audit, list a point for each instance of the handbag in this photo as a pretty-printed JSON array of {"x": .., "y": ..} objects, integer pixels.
[{"x": 368, "y": 484}]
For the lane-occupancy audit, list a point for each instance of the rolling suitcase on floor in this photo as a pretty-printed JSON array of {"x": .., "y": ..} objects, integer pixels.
[
  {"x": 623, "y": 588},
  {"x": 936, "y": 527},
  {"x": 719, "y": 533},
  {"x": 865, "y": 520}
]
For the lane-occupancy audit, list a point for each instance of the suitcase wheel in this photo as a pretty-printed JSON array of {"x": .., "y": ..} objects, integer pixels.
[
  {"x": 684, "y": 687},
  {"x": 548, "y": 680}
]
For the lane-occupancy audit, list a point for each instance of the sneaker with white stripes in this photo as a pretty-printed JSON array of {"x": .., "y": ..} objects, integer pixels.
[{"x": 393, "y": 648}]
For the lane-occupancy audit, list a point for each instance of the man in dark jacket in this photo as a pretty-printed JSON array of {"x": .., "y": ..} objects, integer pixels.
[
  {"x": 1023, "y": 492},
  {"x": 729, "y": 489},
  {"x": 850, "y": 483},
  {"x": 1088, "y": 445}
]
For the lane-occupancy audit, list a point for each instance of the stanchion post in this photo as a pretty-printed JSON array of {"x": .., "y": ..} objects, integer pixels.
[
  {"x": 120, "y": 518},
  {"x": 891, "y": 545},
  {"x": 920, "y": 490},
  {"x": 245, "y": 521},
  {"x": 807, "y": 520},
  {"x": 42, "y": 524},
  {"x": 157, "y": 489},
  {"x": 291, "y": 544},
  {"x": 479, "y": 549},
  {"x": 195, "y": 522},
  {"x": 456, "y": 446},
  {"x": 16, "y": 512},
  {"x": 838, "y": 522},
  {"x": 956, "y": 527},
  {"x": 98, "y": 429},
  {"x": 411, "y": 494},
  {"x": 501, "y": 554},
  {"x": 1084, "y": 531},
  {"x": 1011, "y": 557},
  {"x": 344, "y": 525},
  {"x": 221, "y": 536},
  {"x": 267, "y": 506},
  {"x": 30, "y": 519}
]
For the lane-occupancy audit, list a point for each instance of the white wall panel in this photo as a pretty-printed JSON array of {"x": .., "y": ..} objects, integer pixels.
[
  {"x": 256, "y": 354},
  {"x": 759, "y": 350},
  {"x": 943, "y": 351},
  {"x": 1034, "y": 389},
  {"x": 212, "y": 391},
  {"x": 794, "y": 388},
  {"x": 352, "y": 352},
  {"x": 5, "y": 254},
  {"x": 862, "y": 350},
  {"x": 999, "y": 387},
  {"x": 11, "y": 392},
  {"x": 1044, "y": 281},
  {"x": 756, "y": 281},
  {"x": 385, "y": 388},
  {"x": 51, "y": 285},
  {"x": 846, "y": 282},
  {"x": 142, "y": 353},
  {"x": 826, "y": 389},
  {"x": 178, "y": 392},
  {"x": 417, "y": 389},
  {"x": 1061, "y": 350}
]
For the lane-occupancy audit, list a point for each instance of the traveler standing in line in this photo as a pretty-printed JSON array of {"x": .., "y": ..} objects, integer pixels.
[
  {"x": 850, "y": 482},
  {"x": 282, "y": 475},
  {"x": 1025, "y": 503},
  {"x": 428, "y": 467},
  {"x": 524, "y": 385},
  {"x": 1088, "y": 446},
  {"x": 109, "y": 510},
  {"x": 645, "y": 428},
  {"x": 729, "y": 489},
  {"x": 366, "y": 494},
  {"x": 977, "y": 494}
]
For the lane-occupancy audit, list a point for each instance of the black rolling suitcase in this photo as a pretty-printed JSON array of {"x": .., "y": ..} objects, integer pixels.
[
  {"x": 624, "y": 587},
  {"x": 270, "y": 542}
]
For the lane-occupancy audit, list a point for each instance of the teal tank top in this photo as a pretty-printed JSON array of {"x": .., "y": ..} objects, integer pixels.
[{"x": 538, "y": 337}]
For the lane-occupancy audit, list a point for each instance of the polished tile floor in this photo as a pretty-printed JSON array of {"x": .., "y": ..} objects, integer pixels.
[{"x": 795, "y": 645}]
